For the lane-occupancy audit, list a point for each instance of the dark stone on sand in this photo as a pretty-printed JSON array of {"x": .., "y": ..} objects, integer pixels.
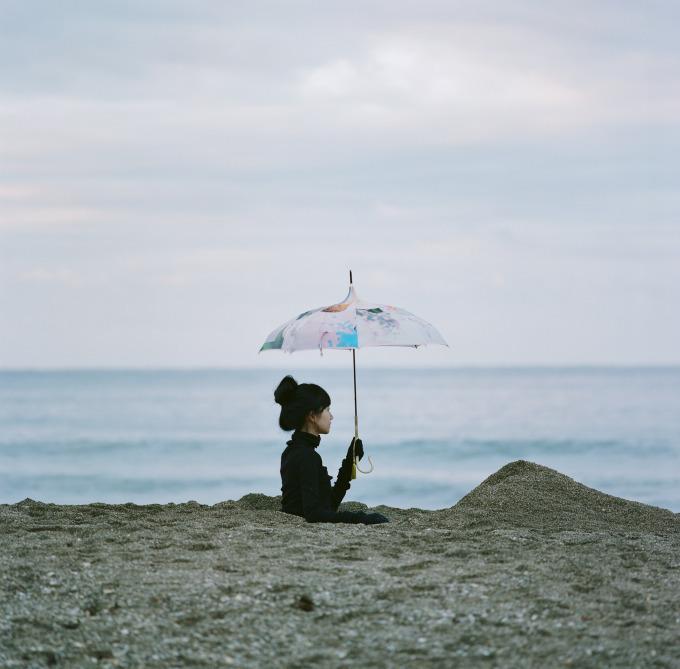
[{"x": 304, "y": 603}]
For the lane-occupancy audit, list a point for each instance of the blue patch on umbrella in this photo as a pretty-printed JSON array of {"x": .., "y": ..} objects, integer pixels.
[{"x": 347, "y": 339}]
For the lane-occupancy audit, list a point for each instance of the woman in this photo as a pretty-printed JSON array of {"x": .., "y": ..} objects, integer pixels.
[{"x": 306, "y": 485}]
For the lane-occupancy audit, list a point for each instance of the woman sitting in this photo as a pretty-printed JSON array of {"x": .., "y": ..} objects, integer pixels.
[{"x": 306, "y": 485}]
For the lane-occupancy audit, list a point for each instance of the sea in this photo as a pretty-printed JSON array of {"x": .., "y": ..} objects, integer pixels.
[{"x": 210, "y": 435}]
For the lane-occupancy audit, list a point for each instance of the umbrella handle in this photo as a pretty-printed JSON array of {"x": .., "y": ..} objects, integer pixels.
[{"x": 365, "y": 471}]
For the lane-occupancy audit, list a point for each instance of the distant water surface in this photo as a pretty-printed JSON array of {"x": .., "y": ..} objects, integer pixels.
[{"x": 76, "y": 437}]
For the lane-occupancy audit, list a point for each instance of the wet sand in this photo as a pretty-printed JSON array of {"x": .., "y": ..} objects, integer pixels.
[{"x": 530, "y": 569}]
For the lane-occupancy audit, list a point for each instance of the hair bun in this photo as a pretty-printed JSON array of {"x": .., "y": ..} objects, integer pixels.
[{"x": 285, "y": 393}]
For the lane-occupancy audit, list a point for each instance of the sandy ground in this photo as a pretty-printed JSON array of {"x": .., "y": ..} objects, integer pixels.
[{"x": 531, "y": 569}]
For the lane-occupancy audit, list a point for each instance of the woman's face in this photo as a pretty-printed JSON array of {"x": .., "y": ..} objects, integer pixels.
[{"x": 323, "y": 421}]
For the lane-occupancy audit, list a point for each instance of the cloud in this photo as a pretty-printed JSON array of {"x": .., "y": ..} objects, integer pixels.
[
  {"x": 48, "y": 276},
  {"x": 439, "y": 89}
]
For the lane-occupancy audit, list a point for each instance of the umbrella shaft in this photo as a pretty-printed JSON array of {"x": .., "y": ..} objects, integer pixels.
[{"x": 356, "y": 413}]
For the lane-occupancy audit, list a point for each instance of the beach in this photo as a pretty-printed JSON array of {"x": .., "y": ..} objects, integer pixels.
[{"x": 530, "y": 569}]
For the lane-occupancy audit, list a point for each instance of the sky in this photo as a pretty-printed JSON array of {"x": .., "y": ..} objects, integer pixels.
[{"x": 179, "y": 177}]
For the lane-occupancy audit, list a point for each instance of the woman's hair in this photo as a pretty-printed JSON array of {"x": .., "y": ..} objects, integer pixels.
[{"x": 297, "y": 400}]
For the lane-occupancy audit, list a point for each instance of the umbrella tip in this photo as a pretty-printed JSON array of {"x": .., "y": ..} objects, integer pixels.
[{"x": 350, "y": 277}]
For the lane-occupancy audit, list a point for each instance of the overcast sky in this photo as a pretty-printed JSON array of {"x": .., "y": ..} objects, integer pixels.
[{"x": 180, "y": 177}]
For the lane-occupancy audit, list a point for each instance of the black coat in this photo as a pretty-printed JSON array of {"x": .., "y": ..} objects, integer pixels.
[{"x": 306, "y": 485}]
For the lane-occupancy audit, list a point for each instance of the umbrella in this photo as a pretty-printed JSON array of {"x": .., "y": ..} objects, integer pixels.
[{"x": 349, "y": 325}]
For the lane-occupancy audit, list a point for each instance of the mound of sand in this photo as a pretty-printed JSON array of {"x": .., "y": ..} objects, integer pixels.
[{"x": 524, "y": 494}]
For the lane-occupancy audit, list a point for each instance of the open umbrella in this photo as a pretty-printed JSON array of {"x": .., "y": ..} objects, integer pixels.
[{"x": 349, "y": 325}]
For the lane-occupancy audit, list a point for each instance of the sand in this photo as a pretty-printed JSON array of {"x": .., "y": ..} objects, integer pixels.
[{"x": 530, "y": 569}]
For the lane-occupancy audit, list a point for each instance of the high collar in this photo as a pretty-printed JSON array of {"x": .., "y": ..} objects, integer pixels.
[{"x": 305, "y": 439}]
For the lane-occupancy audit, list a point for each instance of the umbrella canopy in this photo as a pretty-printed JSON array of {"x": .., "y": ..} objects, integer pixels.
[{"x": 352, "y": 324}]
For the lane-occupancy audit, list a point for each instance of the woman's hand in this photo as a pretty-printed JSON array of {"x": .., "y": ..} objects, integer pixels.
[
  {"x": 358, "y": 448},
  {"x": 344, "y": 479}
]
